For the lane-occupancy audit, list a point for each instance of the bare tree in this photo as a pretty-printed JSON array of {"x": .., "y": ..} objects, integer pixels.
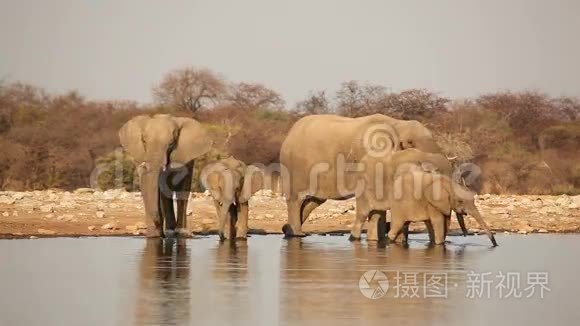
[
  {"x": 190, "y": 89},
  {"x": 252, "y": 96},
  {"x": 355, "y": 99},
  {"x": 315, "y": 103},
  {"x": 566, "y": 108},
  {"x": 413, "y": 104}
]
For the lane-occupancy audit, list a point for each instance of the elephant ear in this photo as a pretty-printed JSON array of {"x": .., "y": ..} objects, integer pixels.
[
  {"x": 193, "y": 141},
  {"x": 215, "y": 185},
  {"x": 131, "y": 137},
  {"x": 438, "y": 193},
  {"x": 253, "y": 181}
]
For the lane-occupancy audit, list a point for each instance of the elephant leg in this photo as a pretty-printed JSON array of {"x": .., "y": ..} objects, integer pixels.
[
  {"x": 461, "y": 221},
  {"x": 166, "y": 199},
  {"x": 308, "y": 205},
  {"x": 182, "y": 194},
  {"x": 166, "y": 211},
  {"x": 294, "y": 226},
  {"x": 403, "y": 237},
  {"x": 361, "y": 217},
  {"x": 438, "y": 223},
  {"x": 396, "y": 228},
  {"x": 430, "y": 231},
  {"x": 377, "y": 226},
  {"x": 226, "y": 222},
  {"x": 242, "y": 223}
]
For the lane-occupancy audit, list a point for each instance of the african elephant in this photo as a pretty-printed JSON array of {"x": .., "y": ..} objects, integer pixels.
[
  {"x": 380, "y": 175},
  {"x": 231, "y": 183},
  {"x": 420, "y": 196},
  {"x": 321, "y": 156},
  {"x": 164, "y": 148}
]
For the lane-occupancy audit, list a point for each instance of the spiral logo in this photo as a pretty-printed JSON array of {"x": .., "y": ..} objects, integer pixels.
[{"x": 380, "y": 140}]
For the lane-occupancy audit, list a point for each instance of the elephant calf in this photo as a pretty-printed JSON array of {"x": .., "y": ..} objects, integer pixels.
[
  {"x": 420, "y": 196},
  {"x": 379, "y": 178},
  {"x": 231, "y": 183}
]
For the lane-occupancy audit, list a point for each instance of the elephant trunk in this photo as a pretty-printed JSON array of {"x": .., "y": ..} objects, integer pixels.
[
  {"x": 461, "y": 221},
  {"x": 228, "y": 214},
  {"x": 153, "y": 187},
  {"x": 150, "y": 192},
  {"x": 475, "y": 213}
]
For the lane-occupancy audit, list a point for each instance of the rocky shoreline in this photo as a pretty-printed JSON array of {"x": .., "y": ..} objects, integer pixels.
[{"x": 88, "y": 212}]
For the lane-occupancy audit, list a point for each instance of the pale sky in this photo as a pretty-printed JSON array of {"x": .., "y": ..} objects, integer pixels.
[{"x": 115, "y": 49}]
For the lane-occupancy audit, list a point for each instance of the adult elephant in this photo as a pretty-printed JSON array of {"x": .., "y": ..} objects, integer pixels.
[
  {"x": 164, "y": 148},
  {"x": 321, "y": 158}
]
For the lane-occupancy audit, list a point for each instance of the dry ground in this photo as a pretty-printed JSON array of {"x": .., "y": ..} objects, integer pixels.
[{"x": 86, "y": 212}]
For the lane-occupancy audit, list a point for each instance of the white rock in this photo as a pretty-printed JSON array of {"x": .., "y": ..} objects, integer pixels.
[
  {"x": 49, "y": 215},
  {"x": 268, "y": 216},
  {"x": 18, "y": 195},
  {"x": 7, "y": 200},
  {"x": 542, "y": 231},
  {"x": 68, "y": 204},
  {"x": 14, "y": 213},
  {"x": 573, "y": 206},
  {"x": 92, "y": 228},
  {"x": 65, "y": 217},
  {"x": 46, "y": 232},
  {"x": 48, "y": 208},
  {"x": 522, "y": 232},
  {"x": 109, "y": 226},
  {"x": 563, "y": 201},
  {"x": 141, "y": 225},
  {"x": 84, "y": 191},
  {"x": 100, "y": 214},
  {"x": 131, "y": 228},
  {"x": 100, "y": 206},
  {"x": 5, "y": 214}
]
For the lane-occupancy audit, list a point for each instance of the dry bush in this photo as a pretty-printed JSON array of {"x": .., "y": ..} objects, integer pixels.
[{"x": 524, "y": 142}]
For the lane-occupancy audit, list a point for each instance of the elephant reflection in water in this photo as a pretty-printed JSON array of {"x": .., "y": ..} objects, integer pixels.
[
  {"x": 163, "y": 294},
  {"x": 231, "y": 262},
  {"x": 322, "y": 284},
  {"x": 231, "y": 298}
]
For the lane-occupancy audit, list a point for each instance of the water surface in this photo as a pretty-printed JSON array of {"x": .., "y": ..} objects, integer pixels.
[{"x": 271, "y": 281}]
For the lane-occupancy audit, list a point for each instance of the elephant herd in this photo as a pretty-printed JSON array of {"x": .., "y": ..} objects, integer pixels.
[{"x": 386, "y": 164}]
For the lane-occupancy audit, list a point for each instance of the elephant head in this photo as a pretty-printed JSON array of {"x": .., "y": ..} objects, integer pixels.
[
  {"x": 231, "y": 183},
  {"x": 445, "y": 195},
  {"x": 414, "y": 134},
  {"x": 156, "y": 144}
]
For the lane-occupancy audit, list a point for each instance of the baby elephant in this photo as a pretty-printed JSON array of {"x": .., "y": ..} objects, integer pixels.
[
  {"x": 421, "y": 196},
  {"x": 231, "y": 183}
]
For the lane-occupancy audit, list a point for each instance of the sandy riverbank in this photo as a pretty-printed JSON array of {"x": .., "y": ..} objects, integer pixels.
[{"x": 86, "y": 212}]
